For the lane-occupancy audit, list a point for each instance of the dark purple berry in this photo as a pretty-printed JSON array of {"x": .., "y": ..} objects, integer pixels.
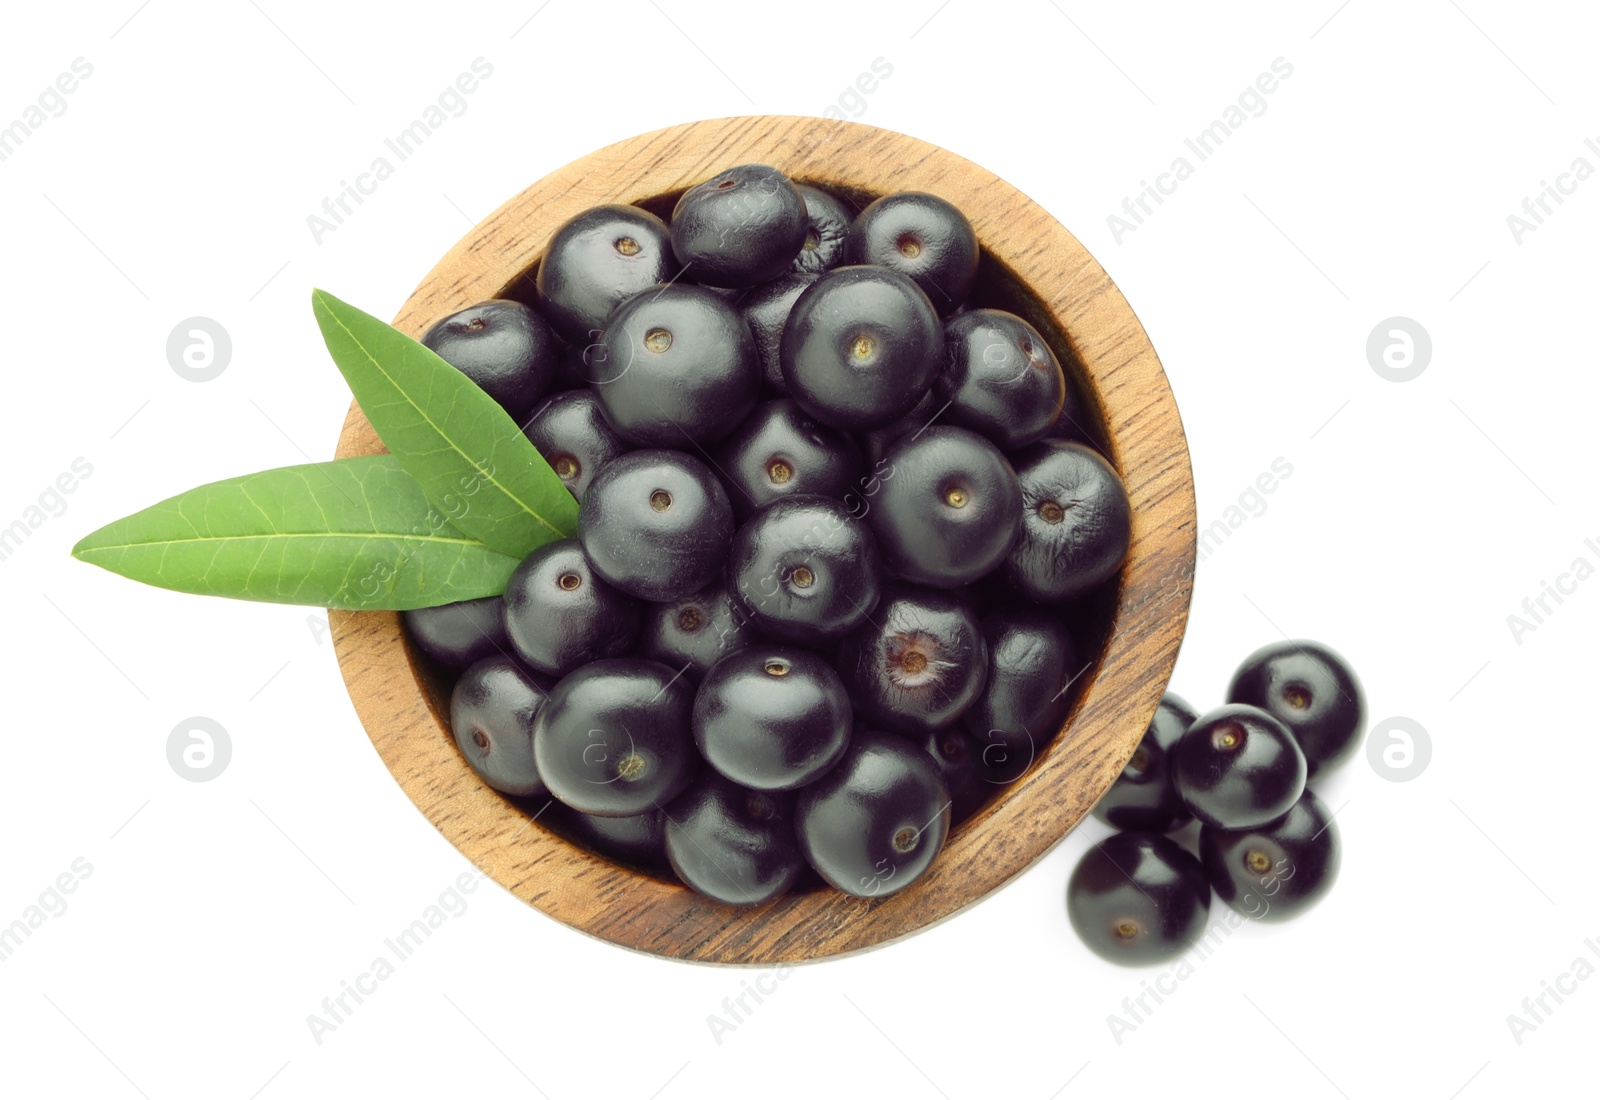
[
  {"x": 862, "y": 346},
  {"x": 457, "y": 634},
  {"x": 959, "y": 757},
  {"x": 492, "y": 711},
  {"x": 1275, "y": 871},
  {"x": 613, "y": 738},
  {"x": 733, "y": 845},
  {"x": 1001, "y": 380},
  {"x": 559, "y": 615},
  {"x": 827, "y": 229},
  {"x": 696, "y": 631},
  {"x": 1237, "y": 767},
  {"x": 505, "y": 347},
  {"x": 1032, "y": 661},
  {"x": 1311, "y": 689},
  {"x": 772, "y": 717},
  {"x": 805, "y": 569},
  {"x": 1076, "y": 522},
  {"x": 949, "y": 510},
  {"x": 780, "y": 451},
  {"x": 741, "y": 227},
  {"x": 765, "y": 309},
  {"x": 637, "y": 841},
  {"x": 922, "y": 236},
  {"x": 676, "y": 367},
  {"x": 655, "y": 524},
  {"x": 1137, "y": 899},
  {"x": 574, "y": 437},
  {"x": 918, "y": 663},
  {"x": 1144, "y": 797},
  {"x": 873, "y": 824},
  {"x": 596, "y": 261}
]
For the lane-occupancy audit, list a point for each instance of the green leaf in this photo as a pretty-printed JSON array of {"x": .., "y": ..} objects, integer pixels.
[
  {"x": 357, "y": 533},
  {"x": 470, "y": 458}
]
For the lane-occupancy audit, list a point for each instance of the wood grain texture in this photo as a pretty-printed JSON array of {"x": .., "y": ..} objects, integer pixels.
[{"x": 1072, "y": 301}]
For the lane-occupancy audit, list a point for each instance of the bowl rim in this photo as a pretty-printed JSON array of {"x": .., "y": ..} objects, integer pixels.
[{"x": 1081, "y": 309}]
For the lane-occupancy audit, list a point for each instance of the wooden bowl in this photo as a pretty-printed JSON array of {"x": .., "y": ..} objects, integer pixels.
[{"x": 1031, "y": 265}]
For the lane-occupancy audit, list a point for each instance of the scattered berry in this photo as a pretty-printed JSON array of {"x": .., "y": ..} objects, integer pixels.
[
  {"x": 1277, "y": 871},
  {"x": 1138, "y": 899},
  {"x": 1237, "y": 767},
  {"x": 1312, "y": 690},
  {"x": 1144, "y": 797}
]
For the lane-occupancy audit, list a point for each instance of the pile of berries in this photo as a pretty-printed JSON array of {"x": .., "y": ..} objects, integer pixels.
[
  {"x": 1268, "y": 846},
  {"x": 837, "y": 529}
]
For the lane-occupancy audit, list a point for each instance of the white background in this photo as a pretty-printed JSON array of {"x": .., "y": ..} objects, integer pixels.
[{"x": 1418, "y": 517}]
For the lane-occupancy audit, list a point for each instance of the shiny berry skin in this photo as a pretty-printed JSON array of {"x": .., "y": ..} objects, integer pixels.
[
  {"x": 597, "y": 260},
  {"x": 1001, "y": 379},
  {"x": 458, "y": 634},
  {"x": 780, "y": 451},
  {"x": 559, "y": 615},
  {"x": 1311, "y": 689},
  {"x": 951, "y": 511},
  {"x": 655, "y": 524},
  {"x": 918, "y": 663},
  {"x": 959, "y": 757},
  {"x": 827, "y": 229},
  {"x": 1076, "y": 522},
  {"x": 1276, "y": 871},
  {"x": 921, "y": 236},
  {"x": 574, "y": 437},
  {"x": 741, "y": 227},
  {"x": 637, "y": 841},
  {"x": 505, "y": 347},
  {"x": 874, "y": 824},
  {"x": 675, "y": 367},
  {"x": 765, "y": 309},
  {"x": 1143, "y": 797},
  {"x": 613, "y": 737},
  {"x": 1032, "y": 659},
  {"x": 861, "y": 347},
  {"x": 733, "y": 845},
  {"x": 1237, "y": 767},
  {"x": 772, "y": 717},
  {"x": 492, "y": 711},
  {"x": 696, "y": 631},
  {"x": 806, "y": 570},
  {"x": 1137, "y": 899}
]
